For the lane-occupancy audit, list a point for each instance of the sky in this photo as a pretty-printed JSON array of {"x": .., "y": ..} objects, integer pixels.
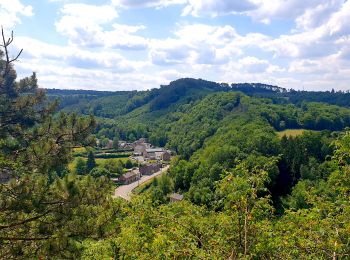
[{"x": 135, "y": 44}]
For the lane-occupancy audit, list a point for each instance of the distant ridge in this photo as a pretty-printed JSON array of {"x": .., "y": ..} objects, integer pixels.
[
  {"x": 110, "y": 104},
  {"x": 257, "y": 87}
]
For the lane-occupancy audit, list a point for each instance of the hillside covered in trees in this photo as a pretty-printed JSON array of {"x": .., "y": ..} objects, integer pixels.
[{"x": 249, "y": 193}]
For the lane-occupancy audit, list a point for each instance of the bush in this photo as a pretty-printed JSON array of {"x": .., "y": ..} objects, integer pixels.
[{"x": 112, "y": 155}]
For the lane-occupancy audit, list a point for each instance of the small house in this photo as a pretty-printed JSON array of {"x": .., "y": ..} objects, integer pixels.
[
  {"x": 166, "y": 156},
  {"x": 139, "y": 149},
  {"x": 130, "y": 176},
  {"x": 153, "y": 153},
  {"x": 149, "y": 169},
  {"x": 109, "y": 144},
  {"x": 175, "y": 197},
  {"x": 141, "y": 141},
  {"x": 122, "y": 144}
]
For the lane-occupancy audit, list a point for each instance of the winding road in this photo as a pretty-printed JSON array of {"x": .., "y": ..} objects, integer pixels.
[{"x": 124, "y": 191}]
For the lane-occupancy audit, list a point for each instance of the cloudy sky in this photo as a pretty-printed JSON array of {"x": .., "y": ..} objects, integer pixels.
[{"x": 140, "y": 44}]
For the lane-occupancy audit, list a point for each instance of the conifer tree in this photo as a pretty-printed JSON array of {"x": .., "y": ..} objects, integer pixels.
[
  {"x": 41, "y": 214},
  {"x": 80, "y": 167},
  {"x": 91, "y": 163}
]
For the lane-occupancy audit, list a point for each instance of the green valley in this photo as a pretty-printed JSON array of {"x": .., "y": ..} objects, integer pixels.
[{"x": 253, "y": 174}]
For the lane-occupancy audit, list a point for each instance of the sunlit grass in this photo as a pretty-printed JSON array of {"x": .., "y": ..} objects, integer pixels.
[
  {"x": 79, "y": 149},
  {"x": 99, "y": 161},
  {"x": 291, "y": 132}
]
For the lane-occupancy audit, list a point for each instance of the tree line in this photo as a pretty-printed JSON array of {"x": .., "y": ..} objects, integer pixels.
[{"x": 249, "y": 194}]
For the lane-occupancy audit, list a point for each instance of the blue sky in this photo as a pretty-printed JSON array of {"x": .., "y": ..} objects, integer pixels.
[{"x": 135, "y": 44}]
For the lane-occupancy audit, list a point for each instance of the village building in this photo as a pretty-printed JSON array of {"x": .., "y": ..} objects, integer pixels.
[
  {"x": 175, "y": 197},
  {"x": 144, "y": 151},
  {"x": 130, "y": 176},
  {"x": 158, "y": 156},
  {"x": 109, "y": 144},
  {"x": 115, "y": 180},
  {"x": 153, "y": 153},
  {"x": 125, "y": 145},
  {"x": 139, "y": 149},
  {"x": 150, "y": 169},
  {"x": 166, "y": 156},
  {"x": 141, "y": 141},
  {"x": 122, "y": 144}
]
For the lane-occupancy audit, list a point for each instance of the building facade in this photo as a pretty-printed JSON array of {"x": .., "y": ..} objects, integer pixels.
[
  {"x": 130, "y": 177},
  {"x": 149, "y": 169}
]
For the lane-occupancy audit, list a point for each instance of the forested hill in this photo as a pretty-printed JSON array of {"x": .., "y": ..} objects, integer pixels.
[
  {"x": 157, "y": 112},
  {"x": 218, "y": 129},
  {"x": 207, "y": 123},
  {"x": 111, "y": 104},
  {"x": 283, "y": 96},
  {"x": 249, "y": 190}
]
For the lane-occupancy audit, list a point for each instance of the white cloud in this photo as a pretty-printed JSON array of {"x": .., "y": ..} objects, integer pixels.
[
  {"x": 84, "y": 26},
  {"x": 309, "y": 67},
  {"x": 254, "y": 65},
  {"x": 123, "y": 37},
  {"x": 313, "y": 40},
  {"x": 282, "y": 9},
  {"x": 260, "y": 10},
  {"x": 307, "y": 14},
  {"x": 218, "y": 35},
  {"x": 196, "y": 44},
  {"x": 317, "y": 15},
  {"x": 217, "y": 7},
  {"x": 338, "y": 24},
  {"x": 72, "y": 57},
  {"x": 10, "y": 12},
  {"x": 81, "y": 23},
  {"x": 147, "y": 3},
  {"x": 344, "y": 52},
  {"x": 169, "y": 52},
  {"x": 313, "y": 52},
  {"x": 72, "y": 67},
  {"x": 171, "y": 74},
  {"x": 95, "y": 14}
]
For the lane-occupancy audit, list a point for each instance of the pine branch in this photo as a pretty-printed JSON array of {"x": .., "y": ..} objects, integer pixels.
[{"x": 25, "y": 221}]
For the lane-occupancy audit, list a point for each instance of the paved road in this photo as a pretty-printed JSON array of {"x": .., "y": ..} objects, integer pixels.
[{"x": 124, "y": 191}]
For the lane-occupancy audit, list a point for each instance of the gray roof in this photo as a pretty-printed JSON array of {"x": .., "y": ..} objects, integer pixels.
[
  {"x": 130, "y": 174},
  {"x": 176, "y": 196},
  {"x": 153, "y": 150}
]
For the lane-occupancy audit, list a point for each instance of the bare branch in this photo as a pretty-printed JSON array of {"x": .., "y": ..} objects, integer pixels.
[
  {"x": 3, "y": 36},
  {"x": 17, "y": 56},
  {"x": 10, "y": 40},
  {"x": 5, "y": 45}
]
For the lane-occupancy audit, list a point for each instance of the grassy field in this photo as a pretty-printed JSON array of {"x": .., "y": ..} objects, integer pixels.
[
  {"x": 79, "y": 149},
  {"x": 99, "y": 161},
  {"x": 291, "y": 132}
]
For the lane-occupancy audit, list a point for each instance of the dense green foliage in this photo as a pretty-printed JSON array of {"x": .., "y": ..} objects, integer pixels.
[
  {"x": 45, "y": 211},
  {"x": 282, "y": 96},
  {"x": 248, "y": 193}
]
